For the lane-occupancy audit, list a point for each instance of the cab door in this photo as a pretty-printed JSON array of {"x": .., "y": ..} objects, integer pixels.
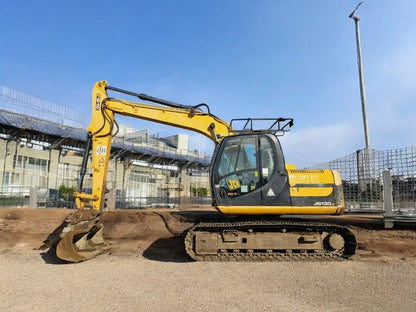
[
  {"x": 275, "y": 182},
  {"x": 246, "y": 171}
]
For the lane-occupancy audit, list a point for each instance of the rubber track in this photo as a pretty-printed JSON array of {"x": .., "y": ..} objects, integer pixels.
[{"x": 271, "y": 255}]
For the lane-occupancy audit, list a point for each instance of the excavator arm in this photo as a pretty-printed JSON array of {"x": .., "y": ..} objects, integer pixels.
[{"x": 80, "y": 235}]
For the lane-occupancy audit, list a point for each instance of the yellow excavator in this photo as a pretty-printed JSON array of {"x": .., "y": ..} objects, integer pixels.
[{"x": 248, "y": 176}]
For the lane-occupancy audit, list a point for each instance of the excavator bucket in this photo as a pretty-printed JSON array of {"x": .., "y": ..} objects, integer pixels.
[
  {"x": 78, "y": 238},
  {"x": 79, "y": 244}
]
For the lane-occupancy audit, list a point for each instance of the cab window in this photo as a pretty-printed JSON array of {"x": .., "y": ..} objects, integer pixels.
[
  {"x": 238, "y": 166},
  {"x": 268, "y": 160},
  {"x": 245, "y": 164}
]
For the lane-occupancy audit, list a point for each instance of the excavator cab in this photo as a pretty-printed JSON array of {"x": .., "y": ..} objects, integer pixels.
[{"x": 249, "y": 170}]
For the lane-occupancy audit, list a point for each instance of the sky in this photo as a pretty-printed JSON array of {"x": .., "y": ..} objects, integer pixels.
[{"x": 265, "y": 58}]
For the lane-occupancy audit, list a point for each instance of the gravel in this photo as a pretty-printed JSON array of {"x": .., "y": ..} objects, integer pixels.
[{"x": 132, "y": 283}]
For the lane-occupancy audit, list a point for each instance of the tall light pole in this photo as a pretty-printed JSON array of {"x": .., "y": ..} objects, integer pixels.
[{"x": 360, "y": 70}]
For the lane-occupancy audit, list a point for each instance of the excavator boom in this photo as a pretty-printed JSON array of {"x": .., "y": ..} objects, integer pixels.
[{"x": 102, "y": 124}]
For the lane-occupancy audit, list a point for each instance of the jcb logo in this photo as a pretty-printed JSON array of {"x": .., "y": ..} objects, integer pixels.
[
  {"x": 233, "y": 184},
  {"x": 101, "y": 150}
]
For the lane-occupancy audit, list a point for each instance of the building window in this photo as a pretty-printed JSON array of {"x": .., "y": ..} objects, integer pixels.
[
  {"x": 31, "y": 163},
  {"x": 11, "y": 178},
  {"x": 68, "y": 174},
  {"x": 139, "y": 176}
]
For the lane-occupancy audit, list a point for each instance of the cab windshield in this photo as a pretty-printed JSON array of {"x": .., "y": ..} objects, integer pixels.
[{"x": 245, "y": 163}]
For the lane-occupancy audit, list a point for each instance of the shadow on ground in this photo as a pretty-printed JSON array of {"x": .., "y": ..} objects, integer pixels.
[
  {"x": 50, "y": 257},
  {"x": 167, "y": 250}
]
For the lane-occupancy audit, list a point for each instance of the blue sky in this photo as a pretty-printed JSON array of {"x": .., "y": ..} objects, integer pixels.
[{"x": 244, "y": 58}]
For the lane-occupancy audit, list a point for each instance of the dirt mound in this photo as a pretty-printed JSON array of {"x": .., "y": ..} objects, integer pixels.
[
  {"x": 157, "y": 234},
  {"x": 379, "y": 243},
  {"x": 26, "y": 228},
  {"x": 152, "y": 233}
]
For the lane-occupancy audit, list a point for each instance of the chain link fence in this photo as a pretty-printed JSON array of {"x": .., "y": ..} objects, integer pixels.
[{"x": 362, "y": 176}]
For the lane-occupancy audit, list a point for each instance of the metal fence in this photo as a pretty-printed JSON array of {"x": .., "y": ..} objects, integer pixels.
[
  {"x": 14, "y": 196},
  {"x": 33, "y": 197},
  {"x": 362, "y": 176},
  {"x": 20, "y": 102},
  {"x": 161, "y": 202},
  {"x": 361, "y": 173},
  {"x": 28, "y": 196}
]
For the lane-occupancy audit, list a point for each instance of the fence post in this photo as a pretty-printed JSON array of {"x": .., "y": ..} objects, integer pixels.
[
  {"x": 33, "y": 197},
  {"x": 111, "y": 199},
  {"x": 387, "y": 200}
]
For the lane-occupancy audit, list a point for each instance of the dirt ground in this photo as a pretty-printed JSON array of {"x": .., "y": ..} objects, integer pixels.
[
  {"x": 147, "y": 269},
  {"x": 157, "y": 232}
]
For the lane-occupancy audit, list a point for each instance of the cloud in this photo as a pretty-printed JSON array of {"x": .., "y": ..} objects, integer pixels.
[{"x": 319, "y": 144}]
